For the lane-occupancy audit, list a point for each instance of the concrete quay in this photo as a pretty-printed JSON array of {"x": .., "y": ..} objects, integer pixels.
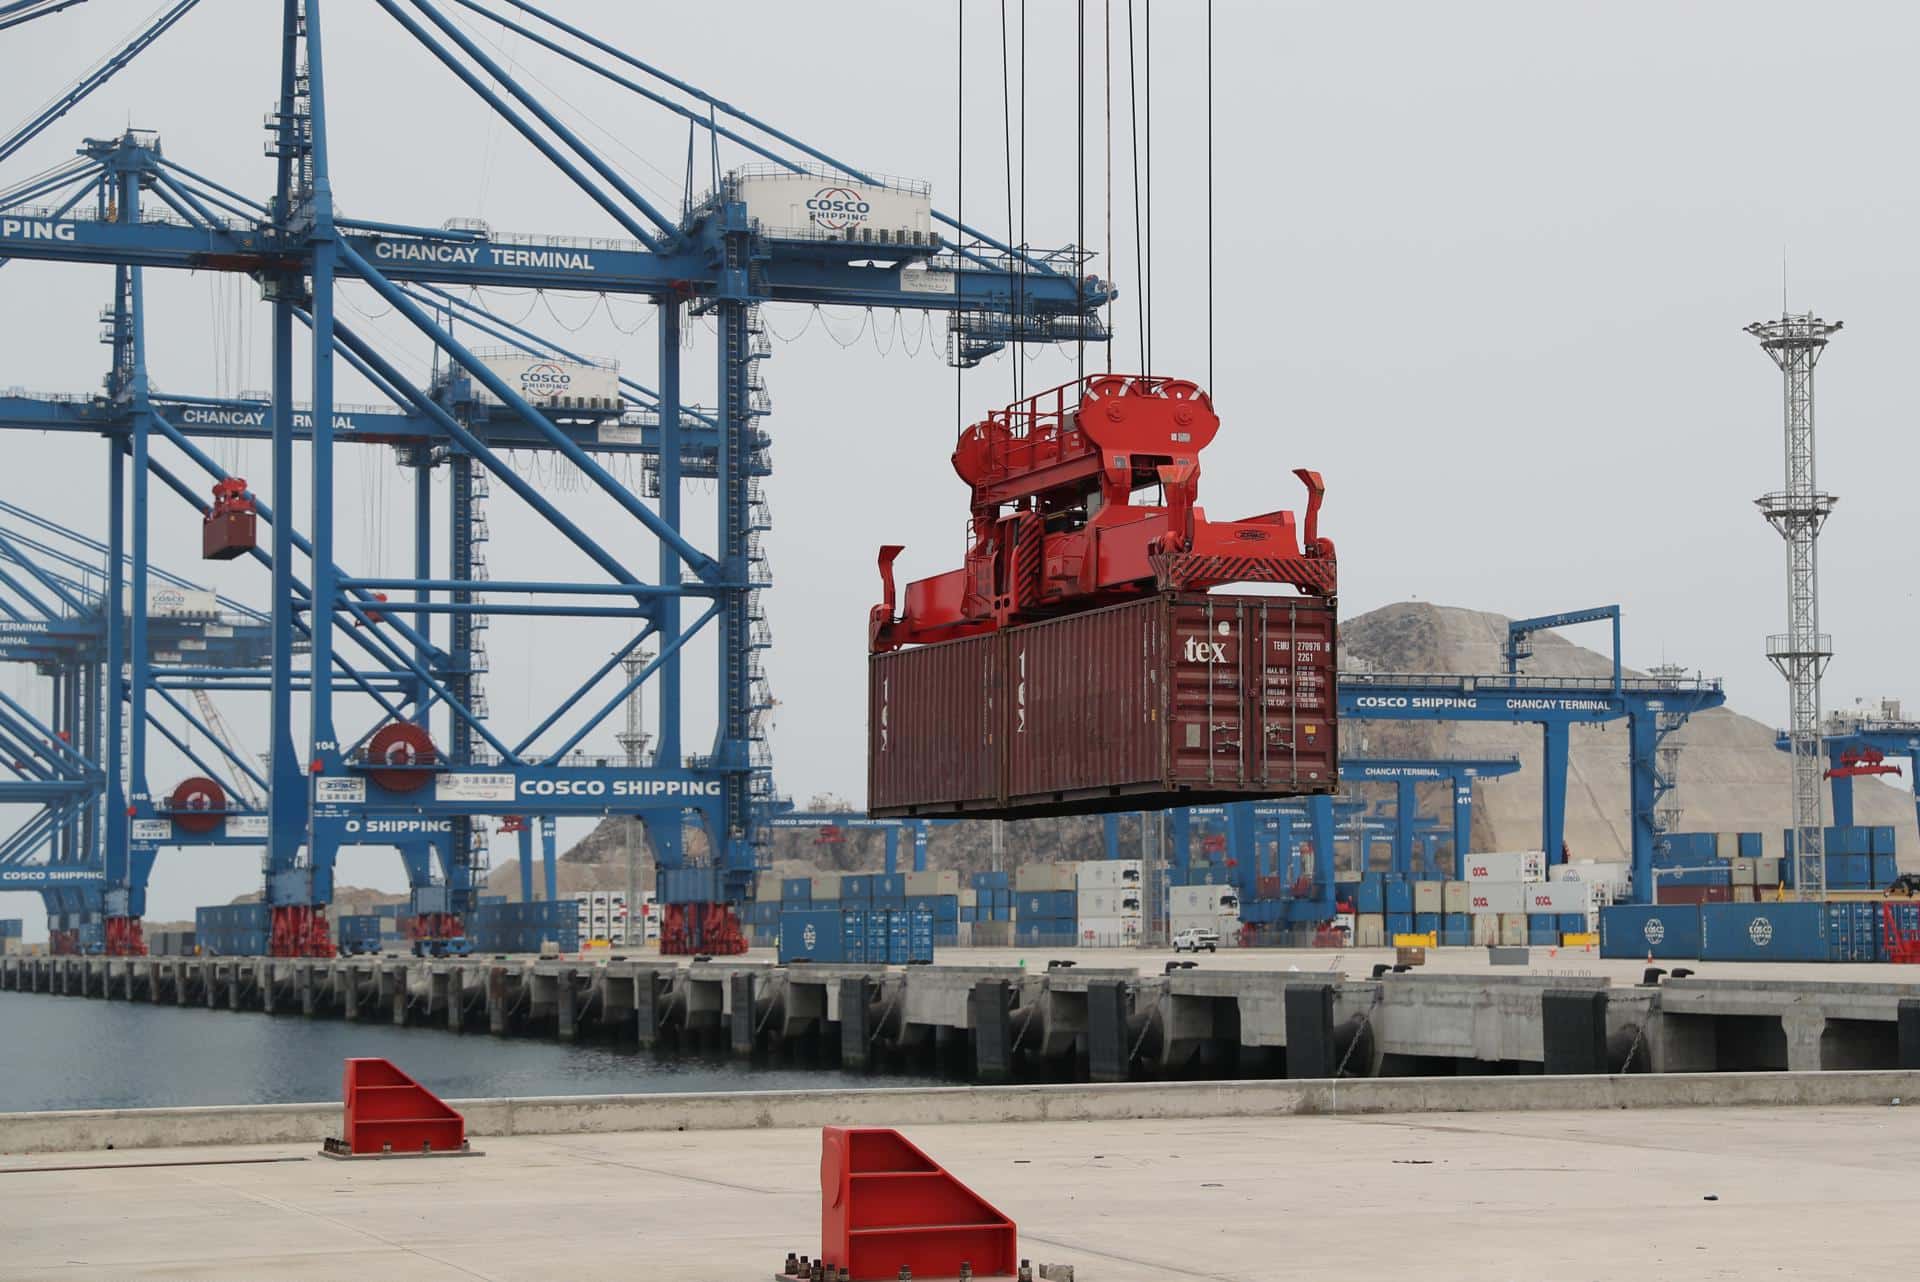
[
  {"x": 989, "y": 1019},
  {"x": 1674, "y": 1194}
]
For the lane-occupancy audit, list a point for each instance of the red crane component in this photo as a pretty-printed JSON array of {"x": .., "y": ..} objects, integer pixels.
[
  {"x": 1901, "y": 941},
  {"x": 686, "y": 929},
  {"x": 387, "y": 1112},
  {"x": 887, "y": 1208},
  {"x": 125, "y": 937},
  {"x": 197, "y": 805},
  {"x": 1056, "y": 527},
  {"x": 230, "y": 527},
  {"x": 400, "y": 756},
  {"x": 1862, "y": 761},
  {"x": 512, "y": 823},
  {"x": 374, "y": 617},
  {"x": 829, "y": 835},
  {"x": 299, "y": 930}
]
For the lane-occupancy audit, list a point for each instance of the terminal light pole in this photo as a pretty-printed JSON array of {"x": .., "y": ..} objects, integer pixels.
[{"x": 1794, "y": 342}]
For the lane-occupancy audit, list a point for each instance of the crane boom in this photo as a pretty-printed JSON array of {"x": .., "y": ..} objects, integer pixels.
[{"x": 218, "y": 728}]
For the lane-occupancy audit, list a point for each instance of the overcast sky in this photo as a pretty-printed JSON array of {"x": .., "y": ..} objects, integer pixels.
[{"x": 1483, "y": 265}]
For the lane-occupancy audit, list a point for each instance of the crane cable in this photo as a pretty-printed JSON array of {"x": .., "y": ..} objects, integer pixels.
[
  {"x": 1133, "y": 163},
  {"x": 1006, "y": 145},
  {"x": 1080, "y": 188},
  {"x": 960, "y": 197},
  {"x": 1209, "y": 198}
]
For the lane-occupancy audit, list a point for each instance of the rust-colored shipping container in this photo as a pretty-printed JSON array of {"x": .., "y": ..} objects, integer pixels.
[
  {"x": 1177, "y": 699},
  {"x": 932, "y": 732}
]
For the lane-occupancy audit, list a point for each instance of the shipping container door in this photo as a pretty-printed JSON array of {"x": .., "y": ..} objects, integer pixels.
[
  {"x": 933, "y": 731},
  {"x": 1291, "y": 694},
  {"x": 1082, "y": 703},
  {"x": 1208, "y": 659}
]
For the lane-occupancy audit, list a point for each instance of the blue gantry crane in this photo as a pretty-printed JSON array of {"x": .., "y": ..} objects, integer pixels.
[
  {"x": 395, "y": 723},
  {"x": 1652, "y": 707},
  {"x": 1861, "y": 748}
]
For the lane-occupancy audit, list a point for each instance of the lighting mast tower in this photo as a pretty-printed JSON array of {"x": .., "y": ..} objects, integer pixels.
[{"x": 1794, "y": 342}]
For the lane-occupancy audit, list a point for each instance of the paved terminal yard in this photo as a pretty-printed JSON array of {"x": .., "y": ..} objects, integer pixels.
[{"x": 1656, "y": 1194}]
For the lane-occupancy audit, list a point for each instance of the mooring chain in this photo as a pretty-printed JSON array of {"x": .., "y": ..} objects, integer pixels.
[
  {"x": 1152, "y": 1014},
  {"x": 880, "y": 1024},
  {"x": 1032, "y": 1009},
  {"x": 1366, "y": 1021},
  {"x": 1639, "y": 1035}
]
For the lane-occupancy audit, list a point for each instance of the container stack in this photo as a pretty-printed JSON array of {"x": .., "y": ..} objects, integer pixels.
[
  {"x": 603, "y": 915},
  {"x": 1109, "y": 902},
  {"x": 232, "y": 930},
  {"x": 172, "y": 943},
  {"x": 1215, "y": 908},
  {"x": 358, "y": 933},
  {"x": 993, "y": 909},
  {"x": 1844, "y": 931},
  {"x": 1498, "y": 899},
  {"x": 1858, "y": 858},
  {"x": 859, "y": 936},
  {"x": 938, "y": 893},
  {"x": 1046, "y": 905},
  {"x": 524, "y": 927}
]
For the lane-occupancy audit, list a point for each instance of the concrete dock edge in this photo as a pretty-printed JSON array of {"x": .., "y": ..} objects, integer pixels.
[{"x": 98, "y": 1130}]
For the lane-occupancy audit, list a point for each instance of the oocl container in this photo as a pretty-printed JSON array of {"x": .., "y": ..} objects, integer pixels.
[
  {"x": 1507, "y": 865},
  {"x": 1174, "y": 699}
]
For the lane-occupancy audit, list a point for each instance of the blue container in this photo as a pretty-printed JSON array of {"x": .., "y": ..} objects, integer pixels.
[
  {"x": 1456, "y": 938},
  {"x": 1548, "y": 938},
  {"x": 1637, "y": 930},
  {"x": 890, "y": 885},
  {"x": 1885, "y": 869},
  {"x": 1426, "y": 923},
  {"x": 1849, "y": 872},
  {"x": 990, "y": 881},
  {"x": 796, "y": 890},
  {"x": 358, "y": 933},
  {"x": 1753, "y": 845},
  {"x": 688, "y": 886},
  {"x": 1880, "y": 839},
  {"x": 1718, "y": 873},
  {"x": 1853, "y": 932},
  {"x": 946, "y": 908},
  {"x": 1542, "y": 924},
  {"x": 1399, "y": 924},
  {"x": 853, "y": 935},
  {"x": 1456, "y": 923},
  {"x": 857, "y": 889},
  {"x": 1766, "y": 932},
  {"x": 1370, "y": 896},
  {"x": 1573, "y": 923},
  {"x": 1399, "y": 897}
]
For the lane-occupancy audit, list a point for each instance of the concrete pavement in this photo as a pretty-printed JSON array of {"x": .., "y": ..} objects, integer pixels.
[{"x": 1813, "y": 1193}]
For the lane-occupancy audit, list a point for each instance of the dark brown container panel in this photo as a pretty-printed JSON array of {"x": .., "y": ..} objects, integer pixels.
[
  {"x": 933, "y": 728},
  {"x": 1170, "y": 700}
]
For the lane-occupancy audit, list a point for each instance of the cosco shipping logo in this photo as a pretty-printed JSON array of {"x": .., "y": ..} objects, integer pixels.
[
  {"x": 544, "y": 379},
  {"x": 1655, "y": 930},
  {"x": 838, "y": 208},
  {"x": 1760, "y": 931}
]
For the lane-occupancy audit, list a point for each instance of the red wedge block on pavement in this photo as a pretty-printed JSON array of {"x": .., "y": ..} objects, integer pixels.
[
  {"x": 389, "y": 1112},
  {"x": 885, "y": 1204}
]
